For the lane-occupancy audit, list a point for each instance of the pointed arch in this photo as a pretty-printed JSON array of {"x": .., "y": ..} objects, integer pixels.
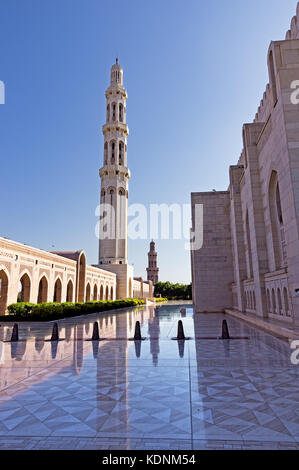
[
  {"x": 280, "y": 312},
  {"x": 273, "y": 302},
  {"x": 120, "y": 112},
  {"x": 42, "y": 295},
  {"x": 95, "y": 292},
  {"x": 107, "y": 293},
  {"x": 106, "y": 153},
  {"x": 57, "y": 290},
  {"x": 269, "y": 301},
  {"x": 87, "y": 296},
  {"x": 286, "y": 302},
  {"x": 4, "y": 281},
  {"x": 121, "y": 152},
  {"x": 113, "y": 151},
  {"x": 248, "y": 247},
  {"x": 24, "y": 287},
  {"x": 81, "y": 277},
  {"x": 113, "y": 111},
  {"x": 101, "y": 292},
  {"x": 277, "y": 225},
  {"x": 70, "y": 291}
]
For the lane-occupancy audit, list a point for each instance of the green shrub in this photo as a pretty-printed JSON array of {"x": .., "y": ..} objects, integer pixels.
[
  {"x": 20, "y": 308},
  {"x": 54, "y": 310}
]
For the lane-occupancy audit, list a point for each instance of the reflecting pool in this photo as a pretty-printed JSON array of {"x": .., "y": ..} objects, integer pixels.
[{"x": 158, "y": 393}]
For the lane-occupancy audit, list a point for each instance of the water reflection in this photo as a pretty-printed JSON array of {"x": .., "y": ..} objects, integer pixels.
[
  {"x": 137, "y": 348},
  {"x": 154, "y": 334},
  {"x": 95, "y": 349},
  {"x": 181, "y": 347},
  {"x": 17, "y": 349},
  {"x": 54, "y": 346},
  {"x": 39, "y": 344}
]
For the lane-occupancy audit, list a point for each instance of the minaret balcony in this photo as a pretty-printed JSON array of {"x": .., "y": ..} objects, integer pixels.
[
  {"x": 114, "y": 170},
  {"x": 115, "y": 126}
]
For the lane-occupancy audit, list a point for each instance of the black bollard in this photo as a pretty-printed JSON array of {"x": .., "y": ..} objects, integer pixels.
[
  {"x": 95, "y": 333},
  {"x": 137, "y": 335},
  {"x": 55, "y": 334},
  {"x": 15, "y": 333},
  {"x": 181, "y": 334},
  {"x": 225, "y": 332}
]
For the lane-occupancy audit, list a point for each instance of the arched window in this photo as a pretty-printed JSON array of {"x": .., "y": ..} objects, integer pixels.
[
  {"x": 277, "y": 227},
  {"x": 112, "y": 152},
  {"x": 121, "y": 153},
  {"x": 106, "y": 153},
  {"x": 108, "y": 113},
  {"x": 87, "y": 297},
  {"x": 69, "y": 291},
  {"x": 3, "y": 291},
  {"x": 286, "y": 301},
  {"x": 57, "y": 291},
  {"x": 279, "y": 302},
  {"x": 248, "y": 249},
  {"x": 120, "y": 111},
  {"x": 24, "y": 289},
  {"x": 273, "y": 302},
  {"x": 42, "y": 290},
  {"x": 113, "y": 111},
  {"x": 269, "y": 301},
  {"x": 95, "y": 292}
]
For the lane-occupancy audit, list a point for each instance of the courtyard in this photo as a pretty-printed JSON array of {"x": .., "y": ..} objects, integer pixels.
[{"x": 160, "y": 393}]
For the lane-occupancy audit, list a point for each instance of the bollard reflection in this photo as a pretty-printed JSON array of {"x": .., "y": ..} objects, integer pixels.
[
  {"x": 181, "y": 347},
  {"x": 137, "y": 348}
]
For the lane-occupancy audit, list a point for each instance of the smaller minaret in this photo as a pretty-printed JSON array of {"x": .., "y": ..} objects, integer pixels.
[{"x": 152, "y": 269}]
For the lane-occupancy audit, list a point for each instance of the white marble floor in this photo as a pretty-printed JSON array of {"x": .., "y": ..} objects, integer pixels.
[{"x": 154, "y": 394}]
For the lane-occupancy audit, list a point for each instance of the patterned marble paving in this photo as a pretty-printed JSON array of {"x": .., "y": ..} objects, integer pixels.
[{"x": 157, "y": 394}]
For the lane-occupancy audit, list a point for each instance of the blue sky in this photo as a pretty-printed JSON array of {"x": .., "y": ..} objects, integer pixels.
[{"x": 195, "y": 71}]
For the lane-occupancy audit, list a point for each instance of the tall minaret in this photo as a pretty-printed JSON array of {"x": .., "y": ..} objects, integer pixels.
[
  {"x": 114, "y": 175},
  {"x": 152, "y": 269}
]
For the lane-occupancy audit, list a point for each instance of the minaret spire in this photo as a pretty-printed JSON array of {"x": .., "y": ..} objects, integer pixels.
[
  {"x": 152, "y": 269},
  {"x": 114, "y": 175}
]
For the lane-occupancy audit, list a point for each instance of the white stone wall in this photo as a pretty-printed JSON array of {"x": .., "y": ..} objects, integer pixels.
[
  {"x": 263, "y": 205},
  {"x": 17, "y": 259}
]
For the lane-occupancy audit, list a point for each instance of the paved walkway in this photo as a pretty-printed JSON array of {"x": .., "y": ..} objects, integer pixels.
[{"x": 157, "y": 394}]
